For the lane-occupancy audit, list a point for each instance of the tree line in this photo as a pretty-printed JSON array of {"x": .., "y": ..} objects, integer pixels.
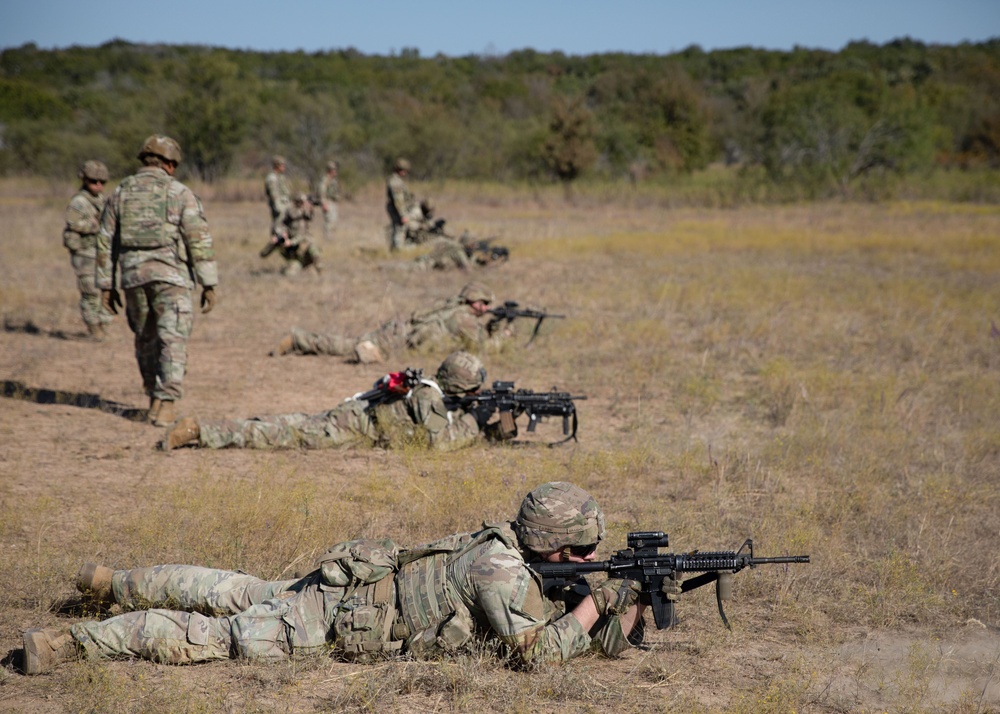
[{"x": 823, "y": 122}]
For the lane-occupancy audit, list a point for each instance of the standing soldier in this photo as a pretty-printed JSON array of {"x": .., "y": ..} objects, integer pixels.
[
  {"x": 83, "y": 222},
  {"x": 155, "y": 226},
  {"x": 279, "y": 199},
  {"x": 329, "y": 195},
  {"x": 400, "y": 204}
]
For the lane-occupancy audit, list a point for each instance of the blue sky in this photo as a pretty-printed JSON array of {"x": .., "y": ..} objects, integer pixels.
[{"x": 458, "y": 28}]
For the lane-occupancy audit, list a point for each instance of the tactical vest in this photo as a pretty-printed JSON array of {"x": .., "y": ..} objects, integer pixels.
[
  {"x": 434, "y": 615},
  {"x": 142, "y": 213}
]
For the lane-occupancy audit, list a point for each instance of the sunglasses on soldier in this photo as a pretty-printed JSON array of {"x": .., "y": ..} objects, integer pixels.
[{"x": 581, "y": 551}]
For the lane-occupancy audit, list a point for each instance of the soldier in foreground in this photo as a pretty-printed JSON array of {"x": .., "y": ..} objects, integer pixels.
[
  {"x": 369, "y": 598},
  {"x": 460, "y": 321},
  {"x": 154, "y": 226},
  {"x": 412, "y": 410},
  {"x": 83, "y": 223}
]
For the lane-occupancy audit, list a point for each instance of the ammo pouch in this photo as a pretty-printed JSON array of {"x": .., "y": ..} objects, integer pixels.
[{"x": 364, "y": 619}]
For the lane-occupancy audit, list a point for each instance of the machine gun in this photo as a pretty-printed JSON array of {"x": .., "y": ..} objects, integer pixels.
[
  {"x": 510, "y": 311},
  {"x": 511, "y": 404},
  {"x": 394, "y": 385},
  {"x": 643, "y": 562}
]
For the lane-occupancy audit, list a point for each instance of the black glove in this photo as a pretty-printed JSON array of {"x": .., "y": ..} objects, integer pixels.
[{"x": 207, "y": 300}]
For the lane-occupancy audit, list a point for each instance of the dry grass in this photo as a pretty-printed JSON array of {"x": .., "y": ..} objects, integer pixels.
[{"x": 820, "y": 378}]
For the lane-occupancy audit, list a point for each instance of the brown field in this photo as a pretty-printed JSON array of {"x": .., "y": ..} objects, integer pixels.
[{"x": 821, "y": 378}]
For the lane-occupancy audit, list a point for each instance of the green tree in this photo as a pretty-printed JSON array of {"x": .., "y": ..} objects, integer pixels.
[
  {"x": 570, "y": 148},
  {"x": 213, "y": 113}
]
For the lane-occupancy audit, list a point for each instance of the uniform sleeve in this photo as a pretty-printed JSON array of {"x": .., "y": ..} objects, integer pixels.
[
  {"x": 104, "y": 271},
  {"x": 81, "y": 217},
  {"x": 446, "y": 430},
  {"x": 511, "y": 601},
  {"x": 194, "y": 228}
]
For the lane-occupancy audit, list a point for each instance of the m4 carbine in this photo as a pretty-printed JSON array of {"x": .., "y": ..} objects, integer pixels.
[
  {"x": 643, "y": 562},
  {"x": 511, "y": 404},
  {"x": 510, "y": 311}
]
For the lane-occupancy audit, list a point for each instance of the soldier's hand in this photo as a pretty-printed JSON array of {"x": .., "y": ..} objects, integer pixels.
[
  {"x": 671, "y": 588},
  {"x": 615, "y": 596},
  {"x": 111, "y": 301},
  {"x": 207, "y": 300}
]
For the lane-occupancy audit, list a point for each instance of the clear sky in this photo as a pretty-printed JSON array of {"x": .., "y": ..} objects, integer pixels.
[{"x": 462, "y": 27}]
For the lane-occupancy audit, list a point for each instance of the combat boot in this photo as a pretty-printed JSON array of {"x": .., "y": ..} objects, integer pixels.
[
  {"x": 184, "y": 432},
  {"x": 167, "y": 413},
  {"x": 94, "y": 581},
  {"x": 284, "y": 347},
  {"x": 45, "y": 647},
  {"x": 154, "y": 409},
  {"x": 367, "y": 352}
]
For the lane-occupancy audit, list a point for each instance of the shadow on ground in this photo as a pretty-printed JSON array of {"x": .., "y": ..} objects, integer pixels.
[
  {"x": 18, "y": 390},
  {"x": 30, "y": 328}
]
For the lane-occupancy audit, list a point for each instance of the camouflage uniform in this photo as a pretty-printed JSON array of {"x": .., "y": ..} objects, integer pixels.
[
  {"x": 400, "y": 204},
  {"x": 83, "y": 223},
  {"x": 445, "y": 254},
  {"x": 156, "y": 229},
  {"x": 328, "y": 191},
  {"x": 298, "y": 251},
  {"x": 421, "y": 416},
  {"x": 279, "y": 197},
  {"x": 449, "y": 323},
  {"x": 441, "y": 596}
]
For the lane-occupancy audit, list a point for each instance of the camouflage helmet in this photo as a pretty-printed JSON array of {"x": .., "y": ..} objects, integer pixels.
[
  {"x": 94, "y": 170},
  {"x": 427, "y": 207},
  {"x": 460, "y": 372},
  {"x": 331, "y": 166},
  {"x": 301, "y": 198},
  {"x": 474, "y": 292},
  {"x": 401, "y": 164},
  {"x": 277, "y": 160},
  {"x": 558, "y": 514},
  {"x": 162, "y": 146}
]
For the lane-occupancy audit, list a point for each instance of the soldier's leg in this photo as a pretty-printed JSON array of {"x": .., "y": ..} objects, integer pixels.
[
  {"x": 285, "y": 431},
  {"x": 165, "y": 636},
  {"x": 292, "y": 267},
  {"x": 290, "y": 623},
  {"x": 91, "y": 310},
  {"x": 314, "y": 343},
  {"x": 142, "y": 322},
  {"x": 188, "y": 587},
  {"x": 174, "y": 311}
]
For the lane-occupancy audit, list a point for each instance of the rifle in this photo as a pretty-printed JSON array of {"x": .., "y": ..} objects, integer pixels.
[
  {"x": 643, "y": 562},
  {"x": 488, "y": 253},
  {"x": 511, "y": 404},
  {"x": 510, "y": 310},
  {"x": 391, "y": 386}
]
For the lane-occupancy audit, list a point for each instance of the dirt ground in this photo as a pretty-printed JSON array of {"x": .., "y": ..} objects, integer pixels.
[{"x": 76, "y": 455}]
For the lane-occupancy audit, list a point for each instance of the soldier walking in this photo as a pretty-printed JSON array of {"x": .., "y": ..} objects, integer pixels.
[{"x": 155, "y": 227}]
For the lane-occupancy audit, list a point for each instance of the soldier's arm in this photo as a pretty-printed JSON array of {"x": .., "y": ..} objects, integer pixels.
[
  {"x": 511, "y": 600},
  {"x": 81, "y": 217},
  {"x": 107, "y": 236},
  {"x": 446, "y": 430},
  {"x": 194, "y": 229}
]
